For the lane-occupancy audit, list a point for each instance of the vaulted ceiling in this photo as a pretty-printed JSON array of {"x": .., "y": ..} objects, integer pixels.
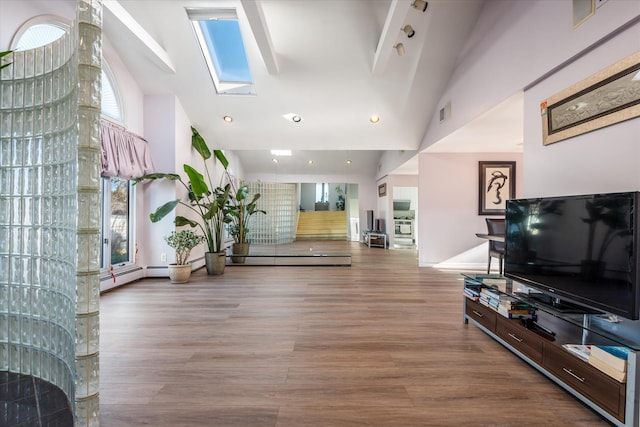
[{"x": 332, "y": 62}]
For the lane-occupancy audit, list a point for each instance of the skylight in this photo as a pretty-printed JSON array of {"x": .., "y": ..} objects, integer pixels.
[{"x": 220, "y": 38}]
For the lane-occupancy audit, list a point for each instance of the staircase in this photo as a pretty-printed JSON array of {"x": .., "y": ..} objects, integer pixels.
[{"x": 322, "y": 225}]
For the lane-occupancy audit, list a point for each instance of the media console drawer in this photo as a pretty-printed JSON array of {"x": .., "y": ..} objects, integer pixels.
[
  {"x": 587, "y": 380},
  {"x": 481, "y": 314},
  {"x": 525, "y": 341}
]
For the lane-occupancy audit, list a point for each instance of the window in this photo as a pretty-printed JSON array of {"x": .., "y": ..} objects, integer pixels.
[
  {"x": 118, "y": 194},
  {"x": 110, "y": 99},
  {"x": 38, "y": 32},
  {"x": 220, "y": 38},
  {"x": 117, "y": 226}
]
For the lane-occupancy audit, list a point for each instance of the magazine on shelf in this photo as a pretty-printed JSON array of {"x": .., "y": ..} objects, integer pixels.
[{"x": 579, "y": 350}]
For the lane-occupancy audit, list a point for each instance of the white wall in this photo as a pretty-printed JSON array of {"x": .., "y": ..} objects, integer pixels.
[
  {"x": 513, "y": 45},
  {"x": 448, "y": 208},
  {"x": 605, "y": 160}
]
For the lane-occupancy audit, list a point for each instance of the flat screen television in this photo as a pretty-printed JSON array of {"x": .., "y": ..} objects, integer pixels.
[{"x": 582, "y": 249}]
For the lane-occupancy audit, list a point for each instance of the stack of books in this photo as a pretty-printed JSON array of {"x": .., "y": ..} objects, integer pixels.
[
  {"x": 506, "y": 305},
  {"x": 612, "y": 360},
  {"x": 490, "y": 297},
  {"x": 472, "y": 294},
  {"x": 512, "y": 308}
]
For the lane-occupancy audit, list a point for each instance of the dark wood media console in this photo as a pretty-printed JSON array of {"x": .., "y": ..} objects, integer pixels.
[{"x": 541, "y": 347}]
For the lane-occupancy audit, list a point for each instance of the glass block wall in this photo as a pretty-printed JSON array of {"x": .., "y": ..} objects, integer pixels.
[
  {"x": 280, "y": 201},
  {"x": 49, "y": 212}
]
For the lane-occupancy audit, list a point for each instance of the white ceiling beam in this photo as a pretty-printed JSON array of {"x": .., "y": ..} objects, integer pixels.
[
  {"x": 255, "y": 16},
  {"x": 157, "y": 54},
  {"x": 389, "y": 36}
]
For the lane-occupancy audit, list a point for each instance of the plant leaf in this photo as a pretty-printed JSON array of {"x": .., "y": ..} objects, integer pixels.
[
  {"x": 198, "y": 184},
  {"x": 199, "y": 144},
  {"x": 221, "y": 158},
  {"x": 153, "y": 176},
  {"x": 179, "y": 221},
  {"x": 242, "y": 193},
  {"x": 3, "y": 54},
  {"x": 163, "y": 210}
]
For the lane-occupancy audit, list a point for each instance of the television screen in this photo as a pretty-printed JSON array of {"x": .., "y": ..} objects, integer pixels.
[{"x": 577, "y": 248}]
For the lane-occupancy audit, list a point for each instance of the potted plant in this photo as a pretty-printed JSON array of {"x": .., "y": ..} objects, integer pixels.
[
  {"x": 182, "y": 241},
  {"x": 243, "y": 208},
  {"x": 210, "y": 205}
]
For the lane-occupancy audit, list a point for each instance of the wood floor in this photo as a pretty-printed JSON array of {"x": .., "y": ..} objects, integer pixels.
[{"x": 380, "y": 343}]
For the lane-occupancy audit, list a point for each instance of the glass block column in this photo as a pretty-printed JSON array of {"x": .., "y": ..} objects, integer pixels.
[
  {"x": 49, "y": 212},
  {"x": 87, "y": 327},
  {"x": 280, "y": 201}
]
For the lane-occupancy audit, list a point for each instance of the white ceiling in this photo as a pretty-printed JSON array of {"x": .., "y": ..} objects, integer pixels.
[{"x": 336, "y": 66}]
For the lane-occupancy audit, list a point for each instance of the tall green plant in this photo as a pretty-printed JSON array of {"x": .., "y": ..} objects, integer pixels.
[
  {"x": 211, "y": 205},
  {"x": 243, "y": 209}
]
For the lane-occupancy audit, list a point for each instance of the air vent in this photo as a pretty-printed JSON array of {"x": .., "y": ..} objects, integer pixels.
[{"x": 445, "y": 112}]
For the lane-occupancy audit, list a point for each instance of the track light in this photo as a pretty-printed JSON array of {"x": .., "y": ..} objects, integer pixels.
[
  {"x": 420, "y": 5},
  {"x": 409, "y": 31},
  {"x": 399, "y": 49}
]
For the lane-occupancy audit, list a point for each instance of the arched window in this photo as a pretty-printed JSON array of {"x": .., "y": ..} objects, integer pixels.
[
  {"x": 111, "y": 106},
  {"x": 39, "y": 31}
]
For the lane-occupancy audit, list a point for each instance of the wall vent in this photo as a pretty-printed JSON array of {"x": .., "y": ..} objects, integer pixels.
[{"x": 445, "y": 112}]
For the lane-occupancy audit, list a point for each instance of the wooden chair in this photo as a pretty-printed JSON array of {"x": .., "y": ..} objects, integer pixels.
[{"x": 496, "y": 249}]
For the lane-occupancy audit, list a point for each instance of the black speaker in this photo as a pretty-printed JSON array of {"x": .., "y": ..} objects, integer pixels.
[{"x": 370, "y": 220}]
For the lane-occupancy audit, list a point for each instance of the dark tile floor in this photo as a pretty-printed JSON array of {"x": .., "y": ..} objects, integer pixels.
[{"x": 26, "y": 401}]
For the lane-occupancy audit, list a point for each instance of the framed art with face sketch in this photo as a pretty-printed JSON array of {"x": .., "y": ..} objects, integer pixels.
[{"x": 497, "y": 184}]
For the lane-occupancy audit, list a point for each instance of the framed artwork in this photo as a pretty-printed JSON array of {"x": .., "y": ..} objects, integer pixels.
[
  {"x": 382, "y": 190},
  {"x": 606, "y": 98},
  {"x": 497, "y": 184}
]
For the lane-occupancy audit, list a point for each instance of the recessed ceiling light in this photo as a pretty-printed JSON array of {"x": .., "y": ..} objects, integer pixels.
[
  {"x": 310, "y": 162},
  {"x": 348, "y": 162},
  {"x": 227, "y": 119},
  {"x": 274, "y": 160},
  {"x": 293, "y": 117},
  {"x": 281, "y": 152},
  {"x": 374, "y": 119}
]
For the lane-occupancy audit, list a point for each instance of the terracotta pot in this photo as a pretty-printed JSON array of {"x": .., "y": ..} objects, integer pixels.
[
  {"x": 239, "y": 249},
  {"x": 215, "y": 262},
  {"x": 179, "y": 273}
]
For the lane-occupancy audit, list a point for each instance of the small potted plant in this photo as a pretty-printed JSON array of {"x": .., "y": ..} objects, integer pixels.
[{"x": 183, "y": 242}]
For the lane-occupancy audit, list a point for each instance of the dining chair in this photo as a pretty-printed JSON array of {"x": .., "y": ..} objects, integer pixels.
[{"x": 496, "y": 249}]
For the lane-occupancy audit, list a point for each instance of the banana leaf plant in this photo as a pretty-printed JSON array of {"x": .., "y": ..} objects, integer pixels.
[
  {"x": 243, "y": 209},
  {"x": 211, "y": 205}
]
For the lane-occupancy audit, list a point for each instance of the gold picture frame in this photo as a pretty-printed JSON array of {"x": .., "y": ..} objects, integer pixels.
[
  {"x": 603, "y": 99},
  {"x": 382, "y": 190}
]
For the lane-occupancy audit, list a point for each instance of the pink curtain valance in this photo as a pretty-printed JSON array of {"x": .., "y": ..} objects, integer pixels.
[{"x": 124, "y": 154}]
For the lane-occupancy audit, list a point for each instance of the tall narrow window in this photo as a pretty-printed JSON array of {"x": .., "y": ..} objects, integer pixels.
[
  {"x": 117, "y": 211},
  {"x": 220, "y": 38}
]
